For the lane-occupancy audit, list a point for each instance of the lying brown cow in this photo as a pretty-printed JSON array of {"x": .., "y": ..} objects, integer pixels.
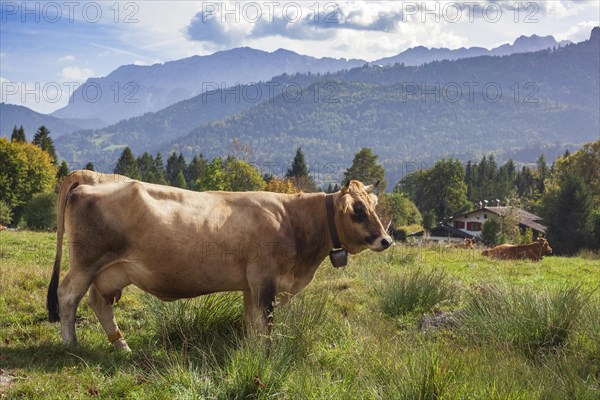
[
  {"x": 175, "y": 244},
  {"x": 532, "y": 251}
]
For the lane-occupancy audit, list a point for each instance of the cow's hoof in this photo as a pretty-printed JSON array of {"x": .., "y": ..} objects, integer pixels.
[{"x": 121, "y": 345}]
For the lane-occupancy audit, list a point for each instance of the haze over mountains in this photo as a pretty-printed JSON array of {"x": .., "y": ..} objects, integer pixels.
[
  {"x": 133, "y": 90},
  {"x": 549, "y": 100}
]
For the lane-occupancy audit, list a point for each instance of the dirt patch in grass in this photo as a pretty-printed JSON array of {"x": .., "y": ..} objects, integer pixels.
[{"x": 6, "y": 379}]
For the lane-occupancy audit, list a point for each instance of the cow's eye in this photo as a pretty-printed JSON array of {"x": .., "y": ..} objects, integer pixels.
[{"x": 359, "y": 209}]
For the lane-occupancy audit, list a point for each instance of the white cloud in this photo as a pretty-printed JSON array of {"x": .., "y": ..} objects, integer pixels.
[
  {"x": 564, "y": 9},
  {"x": 67, "y": 58},
  {"x": 579, "y": 32},
  {"x": 75, "y": 74}
]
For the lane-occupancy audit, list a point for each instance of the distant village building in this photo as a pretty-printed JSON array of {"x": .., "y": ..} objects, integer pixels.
[{"x": 469, "y": 225}]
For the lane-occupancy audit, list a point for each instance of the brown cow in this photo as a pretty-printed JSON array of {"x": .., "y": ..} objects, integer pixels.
[
  {"x": 532, "y": 251},
  {"x": 175, "y": 244}
]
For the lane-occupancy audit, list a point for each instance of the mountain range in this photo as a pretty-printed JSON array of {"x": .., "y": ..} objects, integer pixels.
[
  {"x": 133, "y": 90},
  {"x": 423, "y": 55},
  {"x": 12, "y": 115},
  {"x": 549, "y": 101}
]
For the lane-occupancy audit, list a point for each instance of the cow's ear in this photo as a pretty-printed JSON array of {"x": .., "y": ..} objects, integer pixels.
[
  {"x": 371, "y": 188},
  {"x": 345, "y": 203}
]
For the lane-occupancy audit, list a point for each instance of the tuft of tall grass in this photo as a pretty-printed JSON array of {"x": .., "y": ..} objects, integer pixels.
[
  {"x": 423, "y": 374},
  {"x": 521, "y": 317},
  {"x": 200, "y": 322},
  {"x": 300, "y": 324},
  {"x": 571, "y": 376},
  {"x": 259, "y": 367},
  {"x": 415, "y": 290},
  {"x": 588, "y": 254}
]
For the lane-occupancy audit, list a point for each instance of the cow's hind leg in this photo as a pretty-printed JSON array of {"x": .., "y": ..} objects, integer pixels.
[
  {"x": 70, "y": 292},
  {"x": 103, "y": 308},
  {"x": 105, "y": 291}
]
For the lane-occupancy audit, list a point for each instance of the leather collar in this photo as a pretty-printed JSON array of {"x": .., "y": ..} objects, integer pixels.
[{"x": 331, "y": 222}]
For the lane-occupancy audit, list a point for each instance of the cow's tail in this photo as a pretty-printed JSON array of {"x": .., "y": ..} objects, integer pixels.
[{"x": 52, "y": 298}]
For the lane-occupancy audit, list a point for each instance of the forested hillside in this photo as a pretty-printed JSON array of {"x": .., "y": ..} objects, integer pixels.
[{"x": 462, "y": 108}]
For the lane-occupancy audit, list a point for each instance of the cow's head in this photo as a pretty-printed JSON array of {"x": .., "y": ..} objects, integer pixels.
[
  {"x": 546, "y": 249},
  {"x": 357, "y": 223}
]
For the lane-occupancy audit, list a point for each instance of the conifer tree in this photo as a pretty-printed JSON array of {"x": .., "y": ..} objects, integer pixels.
[
  {"x": 43, "y": 140},
  {"x": 18, "y": 135},
  {"x": 366, "y": 169},
  {"x": 127, "y": 165}
]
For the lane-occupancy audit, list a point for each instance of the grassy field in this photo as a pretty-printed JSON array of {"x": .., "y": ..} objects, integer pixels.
[{"x": 405, "y": 324}]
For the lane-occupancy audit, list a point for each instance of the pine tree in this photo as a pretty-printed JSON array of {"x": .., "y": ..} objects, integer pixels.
[
  {"x": 63, "y": 171},
  {"x": 299, "y": 168},
  {"x": 543, "y": 173},
  {"x": 470, "y": 180},
  {"x": 43, "y": 140},
  {"x": 298, "y": 173},
  {"x": 180, "y": 181},
  {"x": 18, "y": 135},
  {"x": 127, "y": 165},
  {"x": 366, "y": 169},
  {"x": 195, "y": 169},
  {"x": 568, "y": 214},
  {"x": 175, "y": 164},
  {"x": 159, "y": 168},
  {"x": 146, "y": 167},
  {"x": 90, "y": 166}
]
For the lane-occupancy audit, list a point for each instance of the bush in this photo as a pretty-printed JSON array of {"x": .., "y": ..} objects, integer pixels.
[
  {"x": 490, "y": 233},
  {"x": 40, "y": 213},
  {"x": 5, "y": 213},
  {"x": 416, "y": 290},
  {"x": 527, "y": 236},
  {"x": 521, "y": 317}
]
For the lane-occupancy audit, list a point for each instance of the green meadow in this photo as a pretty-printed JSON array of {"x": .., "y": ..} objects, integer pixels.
[{"x": 408, "y": 323}]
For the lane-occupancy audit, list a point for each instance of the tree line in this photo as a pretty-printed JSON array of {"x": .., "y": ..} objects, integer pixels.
[{"x": 566, "y": 194}]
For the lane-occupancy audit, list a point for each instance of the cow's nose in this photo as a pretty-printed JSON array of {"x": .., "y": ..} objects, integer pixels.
[{"x": 385, "y": 243}]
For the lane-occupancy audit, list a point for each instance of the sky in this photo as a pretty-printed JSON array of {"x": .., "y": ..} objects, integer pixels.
[{"x": 48, "y": 48}]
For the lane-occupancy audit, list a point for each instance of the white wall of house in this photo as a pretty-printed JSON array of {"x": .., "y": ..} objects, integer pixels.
[{"x": 474, "y": 221}]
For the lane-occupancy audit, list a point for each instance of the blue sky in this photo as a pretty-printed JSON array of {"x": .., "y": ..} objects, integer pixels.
[{"x": 48, "y": 47}]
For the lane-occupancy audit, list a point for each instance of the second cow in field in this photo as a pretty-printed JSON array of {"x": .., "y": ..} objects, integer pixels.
[
  {"x": 175, "y": 244},
  {"x": 532, "y": 251}
]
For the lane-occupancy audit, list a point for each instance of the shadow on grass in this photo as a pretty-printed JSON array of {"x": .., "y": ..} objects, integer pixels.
[{"x": 52, "y": 357}]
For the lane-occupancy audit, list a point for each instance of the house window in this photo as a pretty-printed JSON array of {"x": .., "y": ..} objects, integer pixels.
[
  {"x": 484, "y": 216},
  {"x": 474, "y": 226},
  {"x": 459, "y": 224}
]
